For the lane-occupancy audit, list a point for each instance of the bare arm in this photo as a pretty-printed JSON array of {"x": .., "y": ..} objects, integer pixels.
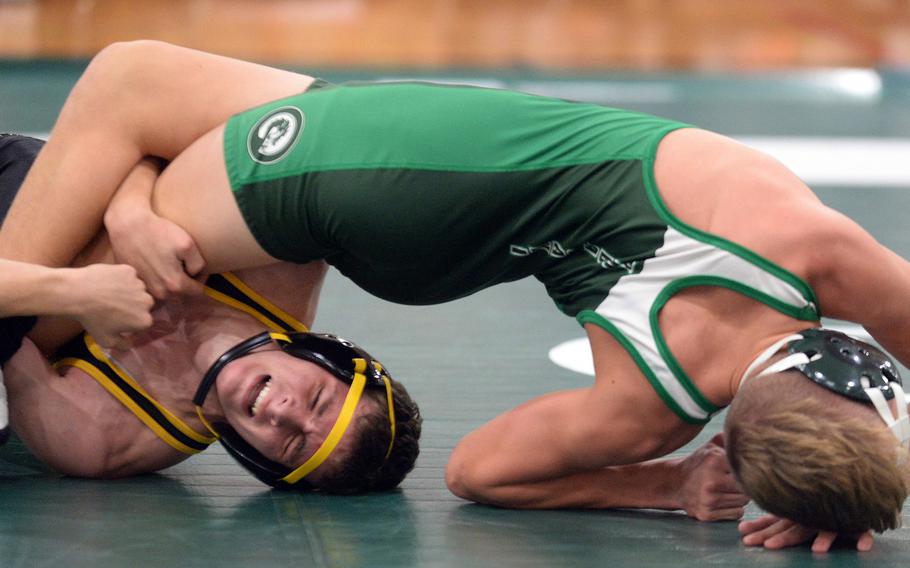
[
  {"x": 31, "y": 289},
  {"x": 74, "y": 426},
  {"x": 106, "y": 299},
  {"x": 164, "y": 255},
  {"x": 576, "y": 449},
  {"x": 859, "y": 280},
  {"x": 54, "y": 422},
  {"x": 135, "y": 99}
]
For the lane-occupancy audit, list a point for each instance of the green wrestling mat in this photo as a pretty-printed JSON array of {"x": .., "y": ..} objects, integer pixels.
[{"x": 464, "y": 362}]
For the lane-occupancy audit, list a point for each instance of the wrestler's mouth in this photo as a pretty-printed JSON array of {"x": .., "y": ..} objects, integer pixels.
[{"x": 260, "y": 390}]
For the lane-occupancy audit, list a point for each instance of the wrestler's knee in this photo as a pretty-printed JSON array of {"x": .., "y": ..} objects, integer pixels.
[
  {"x": 119, "y": 71},
  {"x": 128, "y": 53}
]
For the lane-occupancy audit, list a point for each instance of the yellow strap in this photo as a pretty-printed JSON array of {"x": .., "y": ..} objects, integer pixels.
[
  {"x": 96, "y": 350},
  {"x": 287, "y": 318},
  {"x": 280, "y": 336},
  {"x": 388, "y": 392},
  {"x": 390, "y": 399},
  {"x": 206, "y": 423},
  {"x": 137, "y": 410},
  {"x": 338, "y": 430}
]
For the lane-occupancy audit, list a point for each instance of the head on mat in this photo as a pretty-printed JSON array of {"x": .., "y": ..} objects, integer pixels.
[
  {"x": 309, "y": 411},
  {"x": 820, "y": 436}
]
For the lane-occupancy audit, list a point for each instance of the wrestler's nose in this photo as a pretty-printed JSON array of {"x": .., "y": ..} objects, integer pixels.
[{"x": 280, "y": 410}]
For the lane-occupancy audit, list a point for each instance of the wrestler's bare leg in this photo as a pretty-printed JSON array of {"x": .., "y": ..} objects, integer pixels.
[
  {"x": 135, "y": 99},
  {"x": 194, "y": 193}
]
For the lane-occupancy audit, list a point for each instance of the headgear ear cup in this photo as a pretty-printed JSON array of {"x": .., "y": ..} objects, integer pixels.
[
  {"x": 846, "y": 366},
  {"x": 260, "y": 466}
]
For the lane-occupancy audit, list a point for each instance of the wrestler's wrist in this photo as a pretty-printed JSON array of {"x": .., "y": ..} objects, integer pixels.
[
  {"x": 127, "y": 214},
  {"x": 657, "y": 485},
  {"x": 42, "y": 291},
  {"x": 671, "y": 476},
  {"x": 66, "y": 290},
  {"x": 83, "y": 292}
]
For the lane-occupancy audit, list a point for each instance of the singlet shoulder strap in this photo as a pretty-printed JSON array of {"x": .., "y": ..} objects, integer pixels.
[
  {"x": 233, "y": 292},
  {"x": 85, "y": 354}
]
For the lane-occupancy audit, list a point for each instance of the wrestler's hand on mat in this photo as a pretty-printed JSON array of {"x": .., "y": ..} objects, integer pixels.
[
  {"x": 164, "y": 255},
  {"x": 708, "y": 491},
  {"x": 774, "y": 532},
  {"x": 110, "y": 300}
]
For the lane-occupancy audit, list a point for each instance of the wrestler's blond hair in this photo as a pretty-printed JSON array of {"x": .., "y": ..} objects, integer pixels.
[{"x": 815, "y": 457}]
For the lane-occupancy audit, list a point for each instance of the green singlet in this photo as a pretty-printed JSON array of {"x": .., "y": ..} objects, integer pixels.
[{"x": 424, "y": 193}]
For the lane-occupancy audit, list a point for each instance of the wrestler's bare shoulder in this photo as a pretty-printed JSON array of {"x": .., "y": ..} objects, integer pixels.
[
  {"x": 129, "y": 447},
  {"x": 67, "y": 420},
  {"x": 721, "y": 186}
]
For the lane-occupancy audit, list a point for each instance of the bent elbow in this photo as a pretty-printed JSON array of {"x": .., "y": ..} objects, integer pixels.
[
  {"x": 467, "y": 481},
  {"x": 457, "y": 480},
  {"x": 83, "y": 468},
  {"x": 86, "y": 457}
]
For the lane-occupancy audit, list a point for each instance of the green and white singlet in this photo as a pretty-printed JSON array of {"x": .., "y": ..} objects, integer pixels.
[{"x": 426, "y": 193}]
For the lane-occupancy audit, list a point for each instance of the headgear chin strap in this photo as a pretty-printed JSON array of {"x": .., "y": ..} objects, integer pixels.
[
  {"x": 342, "y": 358},
  {"x": 847, "y": 366}
]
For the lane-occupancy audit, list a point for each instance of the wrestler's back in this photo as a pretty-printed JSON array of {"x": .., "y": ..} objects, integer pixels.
[{"x": 724, "y": 188}]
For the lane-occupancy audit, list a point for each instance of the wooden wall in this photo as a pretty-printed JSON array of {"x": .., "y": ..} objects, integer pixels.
[{"x": 549, "y": 34}]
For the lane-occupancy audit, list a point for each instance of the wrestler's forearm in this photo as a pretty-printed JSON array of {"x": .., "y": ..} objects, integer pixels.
[
  {"x": 701, "y": 484},
  {"x": 32, "y": 289},
  {"x": 52, "y": 331},
  {"x": 95, "y": 142},
  {"x": 133, "y": 199},
  {"x": 577, "y": 448},
  {"x": 650, "y": 485},
  {"x": 84, "y": 290}
]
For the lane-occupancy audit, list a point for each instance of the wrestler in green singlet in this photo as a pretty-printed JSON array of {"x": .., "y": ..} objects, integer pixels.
[{"x": 425, "y": 193}]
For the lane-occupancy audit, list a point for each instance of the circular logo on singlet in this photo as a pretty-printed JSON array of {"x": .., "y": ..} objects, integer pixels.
[{"x": 273, "y": 136}]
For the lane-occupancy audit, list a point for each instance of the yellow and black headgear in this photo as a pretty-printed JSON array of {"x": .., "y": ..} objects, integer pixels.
[{"x": 343, "y": 359}]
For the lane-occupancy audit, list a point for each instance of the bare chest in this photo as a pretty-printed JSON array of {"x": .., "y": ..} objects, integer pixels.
[{"x": 151, "y": 387}]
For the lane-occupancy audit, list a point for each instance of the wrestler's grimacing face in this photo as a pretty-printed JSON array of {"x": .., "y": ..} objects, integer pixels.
[{"x": 284, "y": 407}]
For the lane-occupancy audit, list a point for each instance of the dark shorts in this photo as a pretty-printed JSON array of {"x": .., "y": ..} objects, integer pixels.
[{"x": 17, "y": 153}]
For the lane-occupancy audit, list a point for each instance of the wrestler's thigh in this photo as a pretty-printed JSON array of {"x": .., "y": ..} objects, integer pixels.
[
  {"x": 172, "y": 95},
  {"x": 194, "y": 192}
]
